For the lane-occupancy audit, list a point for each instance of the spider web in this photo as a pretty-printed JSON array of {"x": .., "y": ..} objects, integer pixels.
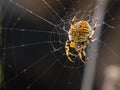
[{"x": 34, "y": 36}]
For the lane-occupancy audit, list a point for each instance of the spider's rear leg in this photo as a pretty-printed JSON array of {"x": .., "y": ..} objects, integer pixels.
[
  {"x": 93, "y": 40},
  {"x": 93, "y": 31}
]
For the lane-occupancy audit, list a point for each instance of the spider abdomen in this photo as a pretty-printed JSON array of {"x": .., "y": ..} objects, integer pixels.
[
  {"x": 80, "y": 31},
  {"x": 78, "y": 37}
]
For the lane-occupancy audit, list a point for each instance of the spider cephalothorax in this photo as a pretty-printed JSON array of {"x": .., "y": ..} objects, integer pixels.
[{"x": 80, "y": 34}]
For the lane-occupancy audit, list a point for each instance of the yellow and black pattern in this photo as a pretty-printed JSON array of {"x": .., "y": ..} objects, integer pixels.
[{"x": 80, "y": 35}]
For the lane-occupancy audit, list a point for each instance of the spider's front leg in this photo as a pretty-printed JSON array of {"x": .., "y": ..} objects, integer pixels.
[
  {"x": 82, "y": 53},
  {"x": 70, "y": 45},
  {"x": 81, "y": 57}
]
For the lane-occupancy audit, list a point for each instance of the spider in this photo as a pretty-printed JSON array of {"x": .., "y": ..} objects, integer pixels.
[{"x": 80, "y": 34}]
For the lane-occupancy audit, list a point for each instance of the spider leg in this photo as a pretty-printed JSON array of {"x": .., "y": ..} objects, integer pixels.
[
  {"x": 74, "y": 18},
  {"x": 93, "y": 40},
  {"x": 84, "y": 54},
  {"x": 70, "y": 59},
  {"x": 80, "y": 56},
  {"x": 93, "y": 31},
  {"x": 95, "y": 25},
  {"x": 70, "y": 44},
  {"x": 68, "y": 53}
]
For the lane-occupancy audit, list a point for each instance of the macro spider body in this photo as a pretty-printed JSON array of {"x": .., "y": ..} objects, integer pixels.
[{"x": 80, "y": 34}]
